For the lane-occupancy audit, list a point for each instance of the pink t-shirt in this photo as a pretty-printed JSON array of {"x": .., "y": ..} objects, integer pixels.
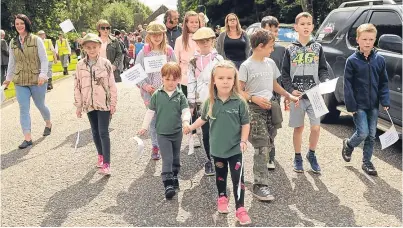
[
  {"x": 183, "y": 56},
  {"x": 102, "y": 53}
]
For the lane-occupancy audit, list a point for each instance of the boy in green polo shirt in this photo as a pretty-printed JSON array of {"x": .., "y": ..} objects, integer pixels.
[
  {"x": 170, "y": 106},
  {"x": 227, "y": 113}
]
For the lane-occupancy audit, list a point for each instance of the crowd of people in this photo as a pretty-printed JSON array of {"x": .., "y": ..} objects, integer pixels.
[{"x": 227, "y": 84}]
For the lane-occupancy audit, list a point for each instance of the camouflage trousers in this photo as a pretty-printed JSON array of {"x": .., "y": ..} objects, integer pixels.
[{"x": 261, "y": 136}]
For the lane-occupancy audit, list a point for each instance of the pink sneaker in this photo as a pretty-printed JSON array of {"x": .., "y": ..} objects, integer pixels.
[
  {"x": 106, "y": 170},
  {"x": 222, "y": 205},
  {"x": 100, "y": 162},
  {"x": 242, "y": 216},
  {"x": 155, "y": 154}
]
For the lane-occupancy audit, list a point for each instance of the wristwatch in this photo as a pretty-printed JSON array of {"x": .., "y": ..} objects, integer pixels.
[{"x": 250, "y": 99}]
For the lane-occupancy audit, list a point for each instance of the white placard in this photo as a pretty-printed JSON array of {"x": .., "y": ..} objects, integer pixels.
[
  {"x": 2, "y": 95},
  {"x": 131, "y": 61},
  {"x": 317, "y": 102},
  {"x": 154, "y": 63},
  {"x": 191, "y": 144},
  {"x": 328, "y": 87},
  {"x": 77, "y": 141},
  {"x": 134, "y": 75},
  {"x": 67, "y": 26},
  {"x": 389, "y": 137},
  {"x": 140, "y": 148}
]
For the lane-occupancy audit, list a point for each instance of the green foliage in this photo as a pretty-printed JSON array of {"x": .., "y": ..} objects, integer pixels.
[{"x": 119, "y": 16}]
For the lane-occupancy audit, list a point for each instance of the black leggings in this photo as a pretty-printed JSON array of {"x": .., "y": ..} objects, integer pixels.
[
  {"x": 194, "y": 114},
  {"x": 221, "y": 170},
  {"x": 99, "y": 121}
]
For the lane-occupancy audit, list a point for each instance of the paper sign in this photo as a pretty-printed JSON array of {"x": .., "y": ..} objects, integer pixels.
[
  {"x": 2, "y": 94},
  {"x": 140, "y": 148},
  {"x": 317, "y": 102},
  {"x": 328, "y": 87},
  {"x": 67, "y": 26},
  {"x": 389, "y": 137},
  {"x": 191, "y": 144},
  {"x": 154, "y": 64},
  {"x": 77, "y": 141},
  {"x": 131, "y": 61},
  {"x": 240, "y": 181},
  {"x": 134, "y": 75}
]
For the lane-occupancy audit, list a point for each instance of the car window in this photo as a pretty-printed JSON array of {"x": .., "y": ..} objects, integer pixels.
[
  {"x": 386, "y": 22},
  {"x": 287, "y": 34},
  {"x": 352, "y": 33},
  {"x": 329, "y": 29}
]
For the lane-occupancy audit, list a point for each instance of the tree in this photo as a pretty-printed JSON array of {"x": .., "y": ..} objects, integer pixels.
[{"x": 119, "y": 16}]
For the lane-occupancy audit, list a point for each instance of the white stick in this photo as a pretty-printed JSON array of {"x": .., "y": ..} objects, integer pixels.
[
  {"x": 240, "y": 181},
  {"x": 77, "y": 141}
]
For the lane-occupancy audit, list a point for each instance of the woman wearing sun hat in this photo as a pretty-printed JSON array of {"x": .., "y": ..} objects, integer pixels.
[{"x": 95, "y": 94}]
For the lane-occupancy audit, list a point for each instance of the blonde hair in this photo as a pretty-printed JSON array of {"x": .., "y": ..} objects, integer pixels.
[
  {"x": 163, "y": 45},
  {"x": 236, "y": 88},
  {"x": 185, "y": 29},
  {"x": 366, "y": 28},
  {"x": 238, "y": 26},
  {"x": 303, "y": 14},
  {"x": 102, "y": 22}
]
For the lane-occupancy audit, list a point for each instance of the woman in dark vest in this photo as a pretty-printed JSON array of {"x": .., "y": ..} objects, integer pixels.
[
  {"x": 27, "y": 68},
  {"x": 233, "y": 44}
]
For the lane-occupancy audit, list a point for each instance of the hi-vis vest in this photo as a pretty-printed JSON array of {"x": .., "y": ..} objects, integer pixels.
[
  {"x": 62, "y": 47},
  {"x": 49, "y": 52}
]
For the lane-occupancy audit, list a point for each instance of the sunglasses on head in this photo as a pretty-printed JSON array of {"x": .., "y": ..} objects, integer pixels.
[{"x": 105, "y": 28}]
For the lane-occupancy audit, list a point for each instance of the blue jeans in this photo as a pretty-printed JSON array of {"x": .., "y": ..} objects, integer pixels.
[
  {"x": 365, "y": 123},
  {"x": 23, "y": 94}
]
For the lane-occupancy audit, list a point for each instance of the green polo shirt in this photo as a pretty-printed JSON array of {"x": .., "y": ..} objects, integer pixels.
[
  {"x": 168, "y": 111},
  {"x": 226, "y": 125}
]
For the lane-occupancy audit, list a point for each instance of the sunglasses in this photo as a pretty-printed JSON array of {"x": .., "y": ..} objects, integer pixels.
[
  {"x": 232, "y": 19},
  {"x": 105, "y": 28}
]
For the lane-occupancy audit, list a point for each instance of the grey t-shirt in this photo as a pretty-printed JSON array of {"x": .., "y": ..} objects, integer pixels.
[{"x": 259, "y": 77}]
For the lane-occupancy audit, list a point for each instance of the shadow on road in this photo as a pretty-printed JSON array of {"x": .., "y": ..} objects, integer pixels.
[
  {"x": 85, "y": 139},
  {"x": 16, "y": 156},
  {"x": 344, "y": 128},
  {"x": 301, "y": 206},
  {"x": 72, "y": 198},
  {"x": 380, "y": 195}
]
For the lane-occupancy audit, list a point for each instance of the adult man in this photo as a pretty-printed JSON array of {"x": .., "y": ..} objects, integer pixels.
[
  {"x": 63, "y": 50},
  {"x": 51, "y": 53},
  {"x": 78, "y": 44},
  {"x": 4, "y": 56},
  {"x": 125, "y": 40},
  {"x": 171, "y": 19}
]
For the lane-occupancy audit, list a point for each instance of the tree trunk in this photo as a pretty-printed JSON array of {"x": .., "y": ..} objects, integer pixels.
[{"x": 307, "y": 6}]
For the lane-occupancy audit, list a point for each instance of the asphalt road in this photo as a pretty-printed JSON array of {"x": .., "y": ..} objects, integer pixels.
[{"x": 51, "y": 184}]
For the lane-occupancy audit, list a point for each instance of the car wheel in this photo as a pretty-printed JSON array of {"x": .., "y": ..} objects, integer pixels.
[{"x": 333, "y": 115}]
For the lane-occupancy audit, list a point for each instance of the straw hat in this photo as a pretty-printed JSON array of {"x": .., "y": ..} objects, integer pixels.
[
  {"x": 203, "y": 33},
  {"x": 41, "y": 32},
  {"x": 156, "y": 27},
  {"x": 91, "y": 37}
]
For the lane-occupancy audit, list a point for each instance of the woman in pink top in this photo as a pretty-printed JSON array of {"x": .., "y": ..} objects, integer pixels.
[{"x": 185, "y": 46}]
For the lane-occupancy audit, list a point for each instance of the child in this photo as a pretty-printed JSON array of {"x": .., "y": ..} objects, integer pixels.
[
  {"x": 155, "y": 45},
  {"x": 304, "y": 66},
  {"x": 200, "y": 68},
  {"x": 168, "y": 104},
  {"x": 138, "y": 46},
  {"x": 95, "y": 93},
  {"x": 227, "y": 114},
  {"x": 271, "y": 24},
  {"x": 365, "y": 69},
  {"x": 258, "y": 77},
  {"x": 185, "y": 46}
]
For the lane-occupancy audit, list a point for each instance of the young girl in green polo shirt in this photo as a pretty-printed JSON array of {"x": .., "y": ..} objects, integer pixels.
[
  {"x": 227, "y": 113},
  {"x": 170, "y": 107}
]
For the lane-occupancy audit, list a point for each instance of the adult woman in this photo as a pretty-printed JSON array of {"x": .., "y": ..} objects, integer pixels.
[
  {"x": 27, "y": 68},
  {"x": 233, "y": 44},
  {"x": 110, "y": 47},
  {"x": 185, "y": 46}
]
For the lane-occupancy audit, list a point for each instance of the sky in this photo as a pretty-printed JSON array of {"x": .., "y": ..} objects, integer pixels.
[{"x": 154, "y": 4}]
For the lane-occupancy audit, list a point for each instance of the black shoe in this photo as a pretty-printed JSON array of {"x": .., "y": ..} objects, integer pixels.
[
  {"x": 175, "y": 182},
  {"x": 47, "y": 131},
  {"x": 50, "y": 86},
  {"x": 346, "y": 151},
  {"x": 169, "y": 189},
  {"x": 369, "y": 168},
  {"x": 25, "y": 144}
]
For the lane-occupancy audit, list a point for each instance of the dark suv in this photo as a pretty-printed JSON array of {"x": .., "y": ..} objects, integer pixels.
[{"x": 337, "y": 34}]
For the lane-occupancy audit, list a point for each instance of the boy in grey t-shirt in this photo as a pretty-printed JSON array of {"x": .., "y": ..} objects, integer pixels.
[{"x": 258, "y": 78}]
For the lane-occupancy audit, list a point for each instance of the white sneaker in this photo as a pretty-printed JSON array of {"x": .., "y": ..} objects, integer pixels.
[{"x": 271, "y": 165}]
